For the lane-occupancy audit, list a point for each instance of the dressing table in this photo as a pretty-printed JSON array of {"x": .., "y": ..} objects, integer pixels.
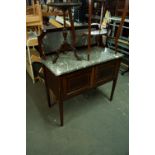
[{"x": 69, "y": 77}]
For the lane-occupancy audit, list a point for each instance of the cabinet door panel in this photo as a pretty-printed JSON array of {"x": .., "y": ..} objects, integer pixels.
[
  {"x": 105, "y": 72},
  {"x": 76, "y": 82}
]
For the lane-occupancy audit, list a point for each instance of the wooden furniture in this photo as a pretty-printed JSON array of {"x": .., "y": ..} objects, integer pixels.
[
  {"x": 32, "y": 54},
  {"x": 49, "y": 33},
  {"x": 66, "y": 46},
  {"x": 117, "y": 40},
  {"x": 120, "y": 7},
  {"x": 34, "y": 22},
  {"x": 123, "y": 41},
  {"x": 34, "y": 17},
  {"x": 125, "y": 10},
  {"x": 69, "y": 77}
]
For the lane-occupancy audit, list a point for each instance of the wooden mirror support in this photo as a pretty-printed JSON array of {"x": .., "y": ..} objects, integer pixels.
[
  {"x": 65, "y": 6},
  {"x": 89, "y": 27},
  {"x": 125, "y": 11}
]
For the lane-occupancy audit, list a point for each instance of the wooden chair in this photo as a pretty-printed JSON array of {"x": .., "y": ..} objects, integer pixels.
[
  {"x": 34, "y": 17},
  {"x": 34, "y": 21}
]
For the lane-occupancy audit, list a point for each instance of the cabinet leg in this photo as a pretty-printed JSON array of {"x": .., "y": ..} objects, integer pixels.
[
  {"x": 47, "y": 90},
  {"x": 61, "y": 112},
  {"x": 48, "y": 97},
  {"x": 113, "y": 89}
]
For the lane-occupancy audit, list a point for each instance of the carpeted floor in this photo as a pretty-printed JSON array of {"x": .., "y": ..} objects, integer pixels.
[{"x": 92, "y": 124}]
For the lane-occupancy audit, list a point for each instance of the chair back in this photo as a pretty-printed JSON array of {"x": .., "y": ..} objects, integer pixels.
[{"x": 34, "y": 16}]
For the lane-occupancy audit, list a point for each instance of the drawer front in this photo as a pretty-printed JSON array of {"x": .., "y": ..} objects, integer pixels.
[
  {"x": 105, "y": 72},
  {"x": 76, "y": 82}
]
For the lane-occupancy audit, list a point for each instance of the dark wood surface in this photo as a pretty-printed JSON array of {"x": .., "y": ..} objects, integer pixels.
[{"x": 75, "y": 83}]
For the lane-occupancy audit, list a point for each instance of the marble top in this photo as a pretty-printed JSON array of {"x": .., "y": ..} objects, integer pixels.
[{"x": 67, "y": 62}]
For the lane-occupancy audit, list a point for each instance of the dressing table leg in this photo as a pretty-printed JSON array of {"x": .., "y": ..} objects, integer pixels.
[
  {"x": 48, "y": 97},
  {"x": 61, "y": 112},
  {"x": 47, "y": 90},
  {"x": 113, "y": 89}
]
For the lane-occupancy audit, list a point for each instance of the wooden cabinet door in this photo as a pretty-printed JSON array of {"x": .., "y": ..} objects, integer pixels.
[
  {"x": 104, "y": 72},
  {"x": 76, "y": 82}
]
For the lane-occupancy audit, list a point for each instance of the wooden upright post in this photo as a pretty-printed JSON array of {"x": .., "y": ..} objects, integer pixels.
[
  {"x": 121, "y": 24},
  {"x": 89, "y": 27}
]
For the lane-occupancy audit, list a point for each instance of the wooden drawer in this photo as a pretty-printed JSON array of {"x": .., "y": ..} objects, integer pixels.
[
  {"x": 104, "y": 72},
  {"x": 76, "y": 82}
]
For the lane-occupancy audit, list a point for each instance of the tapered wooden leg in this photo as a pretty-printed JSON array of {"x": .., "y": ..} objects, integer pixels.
[
  {"x": 61, "y": 112},
  {"x": 48, "y": 97},
  {"x": 113, "y": 89},
  {"x": 47, "y": 90}
]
